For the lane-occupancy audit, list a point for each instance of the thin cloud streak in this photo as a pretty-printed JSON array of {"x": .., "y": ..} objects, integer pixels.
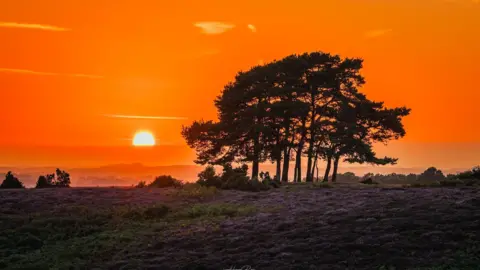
[
  {"x": 377, "y": 33},
  {"x": 214, "y": 28},
  {"x": 32, "y": 72},
  {"x": 33, "y": 26},
  {"x": 145, "y": 117}
]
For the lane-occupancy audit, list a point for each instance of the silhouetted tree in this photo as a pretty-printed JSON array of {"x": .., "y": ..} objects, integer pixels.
[
  {"x": 11, "y": 182},
  {"x": 63, "y": 179},
  {"x": 303, "y": 105},
  {"x": 60, "y": 179},
  {"x": 431, "y": 174},
  {"x": 45, "y": 181}
]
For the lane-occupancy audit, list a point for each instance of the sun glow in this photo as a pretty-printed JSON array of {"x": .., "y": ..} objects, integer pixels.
[{"x": 143, "y": 138}]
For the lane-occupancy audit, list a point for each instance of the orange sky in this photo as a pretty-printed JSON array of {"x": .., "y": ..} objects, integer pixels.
[{"x": 64, "y": 65}]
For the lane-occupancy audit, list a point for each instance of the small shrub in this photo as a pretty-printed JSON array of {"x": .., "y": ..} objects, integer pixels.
[
  {"x": 368, "y": 181},
  {"x": 235, "y": 179},
  {"x": 157, "y": 211},
  {"x": 274, "y": 183},
  {"x": 423, "y": 185},
  {"x": 141, "y": 184},
  {"x": 243, "y": 183},
  {"x": 165, "y": 181},
  {"x": 11, "y": 182},
  {"x": 451, "y": 183},
  {"x": 322, "y": 185},
  {"x": 215, "y": 210},
  {"x": 268, "y": 181},
  {"x": 45, "y": 181},
  {"x": 209, "y": 178},
  {"x": 196, "y": 191}
]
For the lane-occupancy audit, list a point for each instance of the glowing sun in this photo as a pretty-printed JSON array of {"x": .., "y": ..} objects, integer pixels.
[{"x": 143, "y": 138}]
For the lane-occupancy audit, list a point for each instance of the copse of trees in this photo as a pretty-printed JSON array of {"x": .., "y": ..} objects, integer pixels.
[
  {"x": 59, "y": 179},
  {"x": 162, "y": 181},
  {"x": 303, "y": 106},
  {"x": 11, "y": 181}
]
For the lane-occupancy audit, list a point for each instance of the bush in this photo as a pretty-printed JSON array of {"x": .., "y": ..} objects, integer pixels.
[
  {"x": 268, "y": 181},
  {"x": 209, "y": 178},
  {"x": 196, "y": 191},
  {"x": 321, "y": 185},
  {"x": 235, "y": 179},
  {"x": 368, "y": 181},
  {"x": 452, "y": 183},
  {"x": 165, "y": 181},
  {"x": 11, "y": 182},
  {"x": 432, "y": 174},
  {"x": 141, "y": 184}
]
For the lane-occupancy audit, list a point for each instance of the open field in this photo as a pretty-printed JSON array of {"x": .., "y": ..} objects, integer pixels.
[{"x": 294, "y": 227}]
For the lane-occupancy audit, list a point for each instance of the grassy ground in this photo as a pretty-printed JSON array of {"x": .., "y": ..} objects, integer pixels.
[{"x": 294, "y": 227}]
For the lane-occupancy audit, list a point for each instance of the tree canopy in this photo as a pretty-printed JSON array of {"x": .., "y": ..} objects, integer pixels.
[
  {"x": 58, "y": 179},
  {"x": 306, "y": 105}
]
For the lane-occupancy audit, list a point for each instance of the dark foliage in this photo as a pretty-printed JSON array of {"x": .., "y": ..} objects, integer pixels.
[
  {"x": 231, "y": 178},
  {"x": 368, "y": 181},
  {"x": 432, "y": 174},
  {"x": 61, "y": 179},
  {"x": 209, "y": 178},
  {"x": 11, "y": 182},
  {"x": 165, "y": 181},
  {"x": 141, "y": 184}
]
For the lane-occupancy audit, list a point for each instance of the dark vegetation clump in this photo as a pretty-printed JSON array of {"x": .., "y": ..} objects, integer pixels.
[
  {"x": 163, "y": 181},
  {"x": 59, "y": 179},
  {"x": 235, "y": 179},
  {"x": 141, "y": 184},
  {"x": 433, "y": 177},
  {"x": 368, "y": 181},
  {"x": 11, "y": 182}
]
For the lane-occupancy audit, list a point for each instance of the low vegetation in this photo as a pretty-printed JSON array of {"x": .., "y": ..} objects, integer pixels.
[
  {"x": 339, "y": 228},
  {"x": 163, "y": 181},
  {"x": 235, "y": 179},
  {"x": 196, "y": 191}
]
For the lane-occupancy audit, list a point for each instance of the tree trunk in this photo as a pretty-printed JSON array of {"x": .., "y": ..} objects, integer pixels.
[
  {"x": 299, "y": 167},
  {"x": 312, "y": 136},
  {"x": 256, "y": 158},
  {"x": 335, "y": 168},
  {"x": 255, "y": 169},
  {"x": 286, "y": 163},
  {"x": 327, "y": 170},
  {"x": 315, "y": 166},
  {"x": 295, "y": 171},
  {"x": 279, "y": 168},
  {"x": 310, "y": 157}
]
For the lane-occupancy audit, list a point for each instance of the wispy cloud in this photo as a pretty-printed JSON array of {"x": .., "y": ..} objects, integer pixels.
[
  {"x": 252, "y": 28},
  {"x": 32, "y": 26},
  {"x": 377, "y": 33},
  {"x": 214, "y": 28},
  {"x": 145, "y": 117},
  {"x": 32, "y": 72}
]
